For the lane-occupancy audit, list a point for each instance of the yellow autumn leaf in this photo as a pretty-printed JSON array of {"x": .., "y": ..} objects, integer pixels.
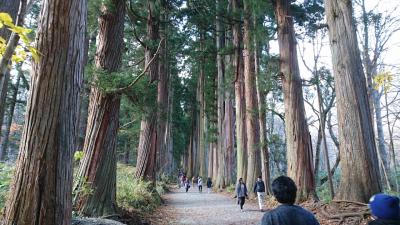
[
  {"x": 383, "y": 80},
  {"x": 17, "y": 58},
  {"x": 2, "y": 40},
  {"x": 5, "y": 18},
  {"x": 35, "y": 53},
  {"x": 25, "y": 39},
  {"x": 20, "y": 30}
]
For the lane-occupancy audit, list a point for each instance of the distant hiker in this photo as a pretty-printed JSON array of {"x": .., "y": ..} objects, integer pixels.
[
  {"x": 187, "y": 185},
  {"x": 209, "y": 185},
  {"x": 241, "y": 193},
  {"x": 183, "y": 180},
  {"x": 385, "y": 210},
  {"x": 259, "y": 189},
  {"x": 284, "y": 190},
  {"x": 200, "y": 184}
]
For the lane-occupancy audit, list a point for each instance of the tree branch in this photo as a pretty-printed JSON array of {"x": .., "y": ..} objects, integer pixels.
[{"x": 120, "y": 90}]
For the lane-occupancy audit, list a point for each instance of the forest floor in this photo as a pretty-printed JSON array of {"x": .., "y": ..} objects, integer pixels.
[{"x": 193, "y": 207}]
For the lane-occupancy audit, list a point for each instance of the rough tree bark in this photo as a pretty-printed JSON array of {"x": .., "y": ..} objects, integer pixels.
[
  {"x": 162, "y": 100},
  {"x": 42, "y": 186},
  {"x": 370, "y": 68},
  {"x": 264, "y": 151},
  {"x": 391, "y": 142},
  {"x": 220, "y": 38},
  {"x": 147, "y": 149},
  {"x": 229, "y": 117},
  {"x": 299, "y": 149},
  {"x": 239, "y": 94},
  {"x": 201, "y": 104},
  {"x": 98, "y": 169},
  {"x": 252, "y": 122},
  {"x": 359, "y": 161},
  {"x": 210, "y": 160},
  {"x": 229, "y": 144},
  {"x": 322, "y": 116},
  {"x": 146, "y": 159}
]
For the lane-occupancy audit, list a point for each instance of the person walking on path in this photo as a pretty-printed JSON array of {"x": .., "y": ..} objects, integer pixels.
[
  {"x": 259, "y": 189},
  {"x": 200, "y": 184},
  {"x": 385, "y": 210},
  {"x": 187, "y": 185},
  {"x": 241, "y": 193},
  {"x": 284, "y": 190},
  {"x": 209, "y": 185},
  {"x": 183, "y": 180}
]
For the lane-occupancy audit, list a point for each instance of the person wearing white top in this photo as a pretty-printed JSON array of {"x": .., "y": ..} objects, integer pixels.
[{"x": 200, "y": 184}]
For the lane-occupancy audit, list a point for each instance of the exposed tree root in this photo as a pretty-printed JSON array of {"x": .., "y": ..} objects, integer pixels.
[
  {"x": 343, "y": 212},
  {"x": 345, "y": 201}
]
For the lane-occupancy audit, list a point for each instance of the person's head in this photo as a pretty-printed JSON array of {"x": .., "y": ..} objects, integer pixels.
[
  {"x": 259, "y": 178},
  {"x": 385, "y": 207},
  {"x": 284, "y": 190},
  {"x": 240, "y": 180}
]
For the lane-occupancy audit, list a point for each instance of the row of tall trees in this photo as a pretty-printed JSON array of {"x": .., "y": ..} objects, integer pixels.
[
  {"x": 239, "y": 24},
  {"x": 189, "y": 85}
]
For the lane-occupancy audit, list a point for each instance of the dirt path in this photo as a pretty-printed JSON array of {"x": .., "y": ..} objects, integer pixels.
[{"x": 203, "y": 208}]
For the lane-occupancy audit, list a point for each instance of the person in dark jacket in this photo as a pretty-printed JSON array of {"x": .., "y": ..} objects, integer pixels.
[
  {"x": 287, "y": 213},
  {"x": 385, "y": 209},
  {"x": 241, "y": 193},
  {"x": 209, "y": 185},
  {"x": 187, "y": 185},
  {"x": 259, "y": 189}
]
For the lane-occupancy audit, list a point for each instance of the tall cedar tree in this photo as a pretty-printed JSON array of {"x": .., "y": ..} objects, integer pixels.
[
  {"x": 239, "y": 92},
  {"x": 359, "y": 161},
  {"x": 42, "y": 186},
  {"x": 299, "y": 149},
  {"x": 252, "y": 123},
  {"x": 98, "y": 168},
  {"x": 220, "y": 154},
  {"x": 147, "y": 149}
]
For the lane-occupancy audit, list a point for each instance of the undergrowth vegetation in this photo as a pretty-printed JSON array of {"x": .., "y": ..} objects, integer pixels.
[
  {"x": 131, "y": 192},
  {"x": 231, "y": 188},
  {"x": 6, "y": 173},
  {"x": 135, "y": 193}
]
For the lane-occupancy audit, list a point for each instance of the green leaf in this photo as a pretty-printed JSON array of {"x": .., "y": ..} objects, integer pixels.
[{"x": 79, "y": 155}]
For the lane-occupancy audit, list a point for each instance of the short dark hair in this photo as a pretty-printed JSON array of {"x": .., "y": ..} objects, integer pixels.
[
  {"x": 284, "y": 190},
  {"x": 259, "y": 177}
]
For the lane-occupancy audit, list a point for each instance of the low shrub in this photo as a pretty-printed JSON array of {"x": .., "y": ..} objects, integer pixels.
[
  {"x": 231, "y": 188},
  {"x": 135, "y": 193},
  {"x": 6, "y": 174}
]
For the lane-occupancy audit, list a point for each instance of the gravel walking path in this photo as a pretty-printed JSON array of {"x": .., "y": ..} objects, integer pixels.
[{"x": 203, "y": 208}]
